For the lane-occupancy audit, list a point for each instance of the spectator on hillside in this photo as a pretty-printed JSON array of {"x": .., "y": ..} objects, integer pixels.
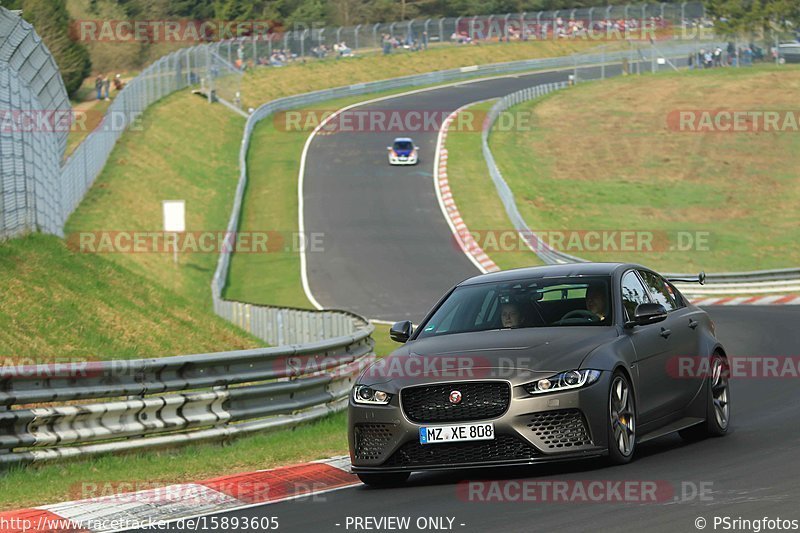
[
  {"x": 106, "y": 87},
  {"x": 98, "y": 86},
  {"x": 118, "y": 83},
  {"x": 718, "y": 57}
]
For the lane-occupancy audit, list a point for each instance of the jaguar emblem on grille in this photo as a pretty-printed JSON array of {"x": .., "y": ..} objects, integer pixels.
[{"x": 455, "y": 396}]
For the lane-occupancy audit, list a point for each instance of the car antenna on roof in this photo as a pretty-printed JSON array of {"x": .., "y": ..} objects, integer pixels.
[{"x": 701, "y": 279}]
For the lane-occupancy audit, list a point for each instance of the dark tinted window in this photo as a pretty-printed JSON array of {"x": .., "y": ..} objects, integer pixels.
[
  {"x": 633, "y": 293},
  {"x": 659, "y": 291},
  {"x": 529, "y": 303},
  {"x": 403, "y": 145}
]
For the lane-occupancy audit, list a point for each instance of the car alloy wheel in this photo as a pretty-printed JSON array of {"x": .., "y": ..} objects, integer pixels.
[
  {"x": 718, "y": 403},
  {"x": 719, "y": 391},
  {"x": 622, "y": 423}
]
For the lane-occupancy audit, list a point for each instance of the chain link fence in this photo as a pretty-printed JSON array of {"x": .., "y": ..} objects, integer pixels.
[{"x": 34, "y": 109}]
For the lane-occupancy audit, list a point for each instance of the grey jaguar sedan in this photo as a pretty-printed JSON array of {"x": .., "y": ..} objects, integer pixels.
[{"x": 540, "y": 364}]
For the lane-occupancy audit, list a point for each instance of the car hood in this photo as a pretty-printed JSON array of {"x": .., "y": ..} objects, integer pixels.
[{"x": 520, "y": 354}]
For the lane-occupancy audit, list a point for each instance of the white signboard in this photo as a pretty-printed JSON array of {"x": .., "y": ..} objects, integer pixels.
[{"x": 174, "y": 216}]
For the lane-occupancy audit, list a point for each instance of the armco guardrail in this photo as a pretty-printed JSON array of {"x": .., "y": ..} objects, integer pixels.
[{"x": 173, "y": 400}]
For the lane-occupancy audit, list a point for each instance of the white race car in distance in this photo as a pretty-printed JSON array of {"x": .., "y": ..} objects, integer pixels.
[{"x": 403, "y": 152}]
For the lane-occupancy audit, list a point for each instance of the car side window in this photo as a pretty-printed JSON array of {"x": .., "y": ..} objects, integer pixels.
[
  {"x": 659, "y": 291},
  {"x": 633, "y": 293}
]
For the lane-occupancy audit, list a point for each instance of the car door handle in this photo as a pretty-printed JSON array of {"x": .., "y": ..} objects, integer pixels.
[
  {"x": 665, "y": 332},
  {"x": 693, "y": 323}
]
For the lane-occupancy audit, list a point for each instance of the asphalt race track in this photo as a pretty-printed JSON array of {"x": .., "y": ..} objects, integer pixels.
[
  {"x": 750, "y": 473},
  {"x": 388, "y": 252}
]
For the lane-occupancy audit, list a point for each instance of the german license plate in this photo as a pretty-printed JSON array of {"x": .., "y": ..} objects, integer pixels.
[{"x": 459, "y": 433}]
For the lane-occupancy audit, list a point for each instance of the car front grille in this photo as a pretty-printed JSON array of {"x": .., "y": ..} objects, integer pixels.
[
  {"x": 371, "y": 440},
  {"x": 479, "y": 400},
  {"x": 503, "y": 448},
  {"x": 560, "y": 429}
]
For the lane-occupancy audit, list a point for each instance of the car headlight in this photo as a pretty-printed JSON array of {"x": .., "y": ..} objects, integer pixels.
[
  {"x": 573, "y": 379},
  {"x": 367, "y": 395}
]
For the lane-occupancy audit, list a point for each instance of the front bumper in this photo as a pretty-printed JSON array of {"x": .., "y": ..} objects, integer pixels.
[
  {"x": 410, "y": 160},
  {"x": 534, "y": 429}
]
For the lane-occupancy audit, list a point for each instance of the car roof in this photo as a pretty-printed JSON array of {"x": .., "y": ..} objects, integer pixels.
[
  {"x": 403, "y": 139},
  {"x": 567, "y": 269}
]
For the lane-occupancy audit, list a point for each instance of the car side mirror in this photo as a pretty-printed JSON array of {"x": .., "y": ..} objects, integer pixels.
[
  {"x": 645, "y": 314},
  {"x": 388, "y": 147},
  {"x": 416, "y": 148},
  {"x": 401, "y": 331}
]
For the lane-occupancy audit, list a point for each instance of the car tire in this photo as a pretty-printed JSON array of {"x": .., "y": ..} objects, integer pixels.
[
  {"x": 718, "y": 414},
  {"x": 621, "y": 420},
  {"x": 384, "y": 480}
]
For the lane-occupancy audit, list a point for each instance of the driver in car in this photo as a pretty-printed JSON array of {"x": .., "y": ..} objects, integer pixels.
[
  {"x": 511, "y": 315},
  {"x": 596, "y": 302}
]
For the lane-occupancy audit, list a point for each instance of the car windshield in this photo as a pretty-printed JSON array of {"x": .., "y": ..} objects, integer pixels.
[
  {"x": 527, "y": 303},
  {"x": 403, "y": 145}
]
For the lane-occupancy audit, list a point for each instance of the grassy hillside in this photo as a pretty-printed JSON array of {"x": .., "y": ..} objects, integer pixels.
[
  {"x": 264, "y": 84},
  {"x": 185, "y": 150},
  {"x": 623, "y": 167},
  {"x": 58, "y": 303}
]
